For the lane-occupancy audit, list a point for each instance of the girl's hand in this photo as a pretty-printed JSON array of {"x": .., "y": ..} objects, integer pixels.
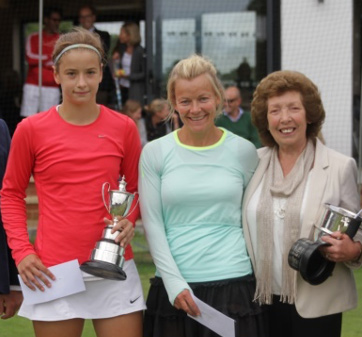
[
  {"x": 34, "y": 274},
  {"x": 185, "y": 302},
  {"x": 126, "y": 229}
]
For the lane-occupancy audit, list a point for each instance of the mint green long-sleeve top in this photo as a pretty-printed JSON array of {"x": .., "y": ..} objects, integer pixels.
[{"x": 190, "y": 201}]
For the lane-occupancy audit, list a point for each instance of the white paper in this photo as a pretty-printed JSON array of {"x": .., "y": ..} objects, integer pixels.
[
  {"x": 68, "y": 281},
  {"x": 214, "y": 320}
]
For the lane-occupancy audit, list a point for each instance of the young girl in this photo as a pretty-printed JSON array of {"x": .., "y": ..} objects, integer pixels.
[
  {"x": 71, "y": 150},
  {"x": 133, "y": 109},
  {"x": 157, "y": 122}
]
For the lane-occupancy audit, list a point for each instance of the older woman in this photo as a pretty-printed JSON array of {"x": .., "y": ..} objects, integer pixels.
[
  {"x": 191, "y": 186},
  {"x": 295, "y": 177}
]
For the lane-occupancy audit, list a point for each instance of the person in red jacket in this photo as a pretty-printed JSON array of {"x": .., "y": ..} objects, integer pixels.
[
  {"x": 72, "y": 150},
  {"x": 35, "y": 99}
]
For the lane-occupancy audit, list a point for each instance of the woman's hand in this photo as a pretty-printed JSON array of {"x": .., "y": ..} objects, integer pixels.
[
  {"x": 185, "y": 302},
  {"x": 116, "y": 55},
  {"x": 10, "y": 303},
  {"x": 126, "y": 229},
  {"x": 34, "y": 273},
  {"x": 342, "y": 249}
]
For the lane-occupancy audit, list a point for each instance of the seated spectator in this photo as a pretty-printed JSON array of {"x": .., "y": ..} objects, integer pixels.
[
  {"x": 133, "y": 110},
  {"x": 235, "y": 119},
  {"x": 157, "y": 122}
]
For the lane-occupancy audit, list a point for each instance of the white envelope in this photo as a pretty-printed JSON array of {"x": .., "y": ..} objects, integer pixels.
[
  {"x": 214, "y": 319},
  {"x": 69, "y": 280}
]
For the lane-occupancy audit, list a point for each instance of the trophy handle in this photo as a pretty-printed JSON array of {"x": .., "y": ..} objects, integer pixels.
[
  {"x": 135, "y": 206},
  {"x": 104, "y": 200}
]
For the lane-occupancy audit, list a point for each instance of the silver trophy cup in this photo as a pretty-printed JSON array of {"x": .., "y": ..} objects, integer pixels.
[
  {"x": 305, "y": 256},
  {"x": 106, "y": 258}
]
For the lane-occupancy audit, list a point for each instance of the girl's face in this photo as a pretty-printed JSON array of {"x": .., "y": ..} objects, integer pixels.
[
  {"x": 79, "y": 74},
  {"x": 196, "y": 102},
  {"x": 136, "y": 115},
  {"x": 163, "y": 114}
]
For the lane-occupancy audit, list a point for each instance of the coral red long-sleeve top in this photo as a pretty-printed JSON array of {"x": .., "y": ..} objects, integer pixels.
[{"x": 70, "y": 163}]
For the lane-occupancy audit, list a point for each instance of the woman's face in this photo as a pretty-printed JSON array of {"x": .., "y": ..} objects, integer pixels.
[
  {"x": 79, "y": 74},
  {"x": 287, "y": 120},
  {"x": 196, "y": 102},
  {"x": 123, "y": 36}
]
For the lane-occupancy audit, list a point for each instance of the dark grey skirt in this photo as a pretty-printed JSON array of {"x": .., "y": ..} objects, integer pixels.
[{"x": 232, "y": 297}]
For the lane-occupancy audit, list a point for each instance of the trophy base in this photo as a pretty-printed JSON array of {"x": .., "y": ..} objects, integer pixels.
[
  {"x": 104, "y": 269},
  {"x": 305, "y": 257}
]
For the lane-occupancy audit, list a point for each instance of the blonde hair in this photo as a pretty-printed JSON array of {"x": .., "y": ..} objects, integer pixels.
[
  {"x": 77, "y": 35},
  {"x": 190, "y": 68},
  {"x": 156, "y": 105}
]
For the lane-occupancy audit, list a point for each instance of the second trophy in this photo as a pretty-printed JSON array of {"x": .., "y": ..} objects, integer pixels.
[{"x": 107, "y": 258}]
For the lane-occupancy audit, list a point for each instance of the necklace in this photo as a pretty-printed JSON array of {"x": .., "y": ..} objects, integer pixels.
[{"x": 280, "y": 209}]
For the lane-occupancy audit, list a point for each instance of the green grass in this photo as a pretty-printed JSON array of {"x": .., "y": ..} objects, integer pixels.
[{"x": 21, "y": 327}]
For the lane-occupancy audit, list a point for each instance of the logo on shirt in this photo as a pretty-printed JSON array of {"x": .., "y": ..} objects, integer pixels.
[{"x": 132, "y": 301}]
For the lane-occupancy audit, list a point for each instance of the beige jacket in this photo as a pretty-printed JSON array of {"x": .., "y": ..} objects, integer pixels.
[{"x": 334, "y": 181}]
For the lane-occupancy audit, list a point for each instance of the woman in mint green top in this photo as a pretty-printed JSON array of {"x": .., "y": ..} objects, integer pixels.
[{"x": 191, "y": 187}]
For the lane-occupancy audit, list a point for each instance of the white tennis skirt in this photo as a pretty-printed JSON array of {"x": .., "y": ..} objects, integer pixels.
[{"x": 102, "y": 299}]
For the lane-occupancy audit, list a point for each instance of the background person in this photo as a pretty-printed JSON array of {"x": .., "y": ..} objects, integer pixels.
[
  {"x": 92, "y": 145},
  {"x": 191, "y": 186},
  {"x": 157, "y": 122},
  {"x": 236, "y": 119},
  {"x": 87, "y": 16},
  {"x": 134, "y": 110},
  {"x": 132, "y": 65},
  {"x": 10, "y": 294},
  {"x": 295, "y": 177},
  {"x": 50, "y": 94}
]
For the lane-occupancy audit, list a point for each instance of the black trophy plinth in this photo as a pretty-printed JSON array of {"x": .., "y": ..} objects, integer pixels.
[{"x": 306, "y": 257}]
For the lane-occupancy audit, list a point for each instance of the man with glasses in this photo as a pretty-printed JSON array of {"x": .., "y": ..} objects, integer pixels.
[
  {"x": 35, "y": 100},
  {"x": 235, "y": 119},
  {"x": 87, "y": 17}
]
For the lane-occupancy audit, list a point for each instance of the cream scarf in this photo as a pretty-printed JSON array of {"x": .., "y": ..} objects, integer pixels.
[{"x": 292, "y": 188}]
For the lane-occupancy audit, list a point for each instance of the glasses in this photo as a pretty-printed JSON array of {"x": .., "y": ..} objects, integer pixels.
[
  {"x": 230, "y": 101},
  {"x": 88, "y": 16}
]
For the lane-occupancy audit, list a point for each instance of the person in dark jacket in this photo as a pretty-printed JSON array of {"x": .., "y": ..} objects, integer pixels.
[
  {"x": 87, "y": 16},
  {"x": 10, "y": 294},
  {"x": 130, "y": 57}
]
